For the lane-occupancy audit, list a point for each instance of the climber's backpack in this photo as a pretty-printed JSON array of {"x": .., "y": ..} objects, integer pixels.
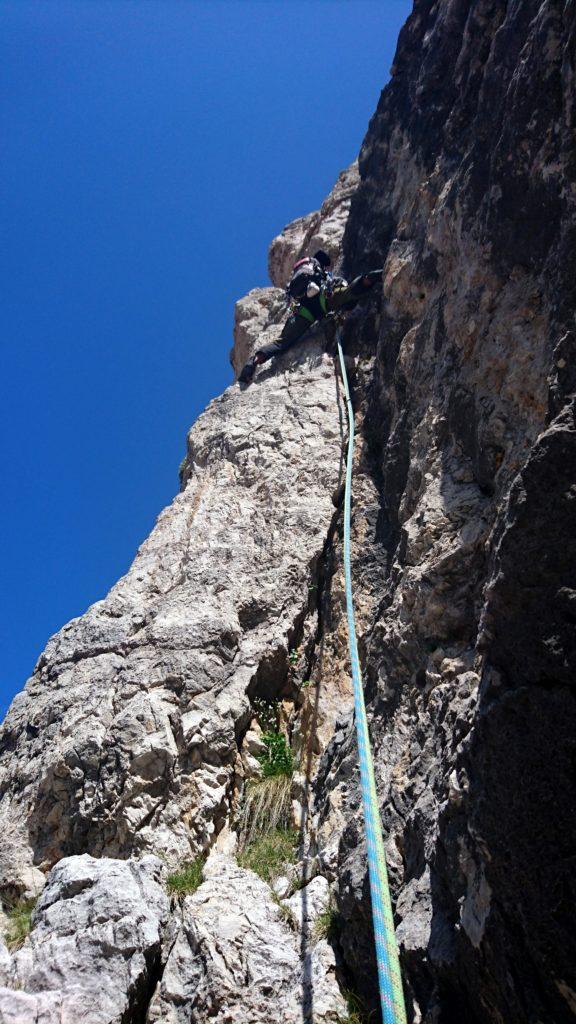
[{"x": 304, "y": 273}]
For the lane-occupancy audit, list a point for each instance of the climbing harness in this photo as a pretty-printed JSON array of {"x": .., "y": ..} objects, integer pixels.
[
  {"x": 389, "y": 976},
  {"x": 303, "y": 311}
]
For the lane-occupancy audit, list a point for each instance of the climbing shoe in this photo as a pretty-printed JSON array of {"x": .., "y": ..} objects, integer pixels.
[{"x": 247, "y": 373}]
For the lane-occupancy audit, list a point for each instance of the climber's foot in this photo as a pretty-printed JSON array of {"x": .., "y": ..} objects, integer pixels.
[
  {"x": 369, "y": 280},
  {"x": 247, "y": 373}
]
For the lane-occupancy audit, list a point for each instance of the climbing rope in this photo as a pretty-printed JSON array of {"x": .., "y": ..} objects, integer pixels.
[{"x": 389, "y": 977}]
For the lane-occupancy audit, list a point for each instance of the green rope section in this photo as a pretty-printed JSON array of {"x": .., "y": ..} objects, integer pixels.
[{"x": 389, "y": 976}]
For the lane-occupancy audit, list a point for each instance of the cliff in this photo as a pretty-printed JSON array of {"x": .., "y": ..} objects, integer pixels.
[{"x": 140, "y": 743}]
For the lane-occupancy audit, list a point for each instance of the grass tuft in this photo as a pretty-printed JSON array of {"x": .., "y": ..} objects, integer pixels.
[
  {"x": 270, "y": 854},
  {"x": 357, "y": 1013},
  {"x": 19, "y": 922},
  {"x": 186, "y": 881},
  {"x": 326, "y": 925},
  {"x": 266, "y": 807}
]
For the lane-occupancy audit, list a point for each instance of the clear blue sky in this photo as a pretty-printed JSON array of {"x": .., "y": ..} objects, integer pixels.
[{"x": 151, "y": 149}]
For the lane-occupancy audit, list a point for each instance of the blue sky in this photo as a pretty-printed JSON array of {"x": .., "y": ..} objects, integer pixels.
[{"x": 151, "y": 151}]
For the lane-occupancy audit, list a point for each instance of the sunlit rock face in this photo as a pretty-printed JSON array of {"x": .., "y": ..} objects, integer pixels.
[{"x": 138, "y": 731}]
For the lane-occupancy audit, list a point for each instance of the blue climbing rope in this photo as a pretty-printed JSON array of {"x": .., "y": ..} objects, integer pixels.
[{"x": 389, "y": 976}]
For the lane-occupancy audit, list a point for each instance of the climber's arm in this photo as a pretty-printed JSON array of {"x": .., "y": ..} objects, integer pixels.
[{"x": 357, "y": 289}]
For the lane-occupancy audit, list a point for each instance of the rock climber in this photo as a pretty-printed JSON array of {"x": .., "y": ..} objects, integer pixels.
[{"x": 314, "y": 292}]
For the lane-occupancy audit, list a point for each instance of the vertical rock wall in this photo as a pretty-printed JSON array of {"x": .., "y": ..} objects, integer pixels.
[
  {"x": 136, "y": 732},
  {"x": 466, "y": 405}
]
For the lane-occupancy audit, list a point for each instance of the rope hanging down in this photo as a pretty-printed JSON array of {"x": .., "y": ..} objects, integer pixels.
[{"x": 389, "y": 977}]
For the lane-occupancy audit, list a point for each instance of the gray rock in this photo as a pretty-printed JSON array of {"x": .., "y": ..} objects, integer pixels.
[
  {"x": 94, "y": 949},
  {"x": 236, "y": 959},
  {"x": 308, "y": 903},
  {"x": 321, "y": 230},
  {"x": 136, "y": 731}
]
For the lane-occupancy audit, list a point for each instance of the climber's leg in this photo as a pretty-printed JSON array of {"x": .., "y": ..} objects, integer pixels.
[{"x": 292, "y": 331}]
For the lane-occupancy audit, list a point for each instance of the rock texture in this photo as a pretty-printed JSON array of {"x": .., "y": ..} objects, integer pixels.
[
  {"x": 94, "y": 950},
  {"x": 237, "y": 960},
  {"x": 468, "y": 190},
  {"x": 257, "y": 315},
  {"x": 138, "y": 728},
  {"x": 127, "y": 736}
]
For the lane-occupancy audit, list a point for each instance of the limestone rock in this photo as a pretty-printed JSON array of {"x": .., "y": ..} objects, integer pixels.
[
  {"x": 236, "y": 959},
  {"x": 321, "y": 230},
  {"x": 258, "y": 317},
  {"x": 137, "y": 730},
  {"x": 308, "y": 903},
  {"x": 257, "y": 321},
  {"x": 94, "y": 949},
  {"x": 125, "y": 737},
  {"x": 464, "y": 397}
]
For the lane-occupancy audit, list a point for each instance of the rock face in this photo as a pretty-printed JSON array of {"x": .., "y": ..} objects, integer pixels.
[
  {"x": 127, "y": 737},
  {"x": 139, "y": 728},
  {"x": 468, "y": 189},
  {"x": 94, "y": 950},
  {"x": 236, "y": 960}
]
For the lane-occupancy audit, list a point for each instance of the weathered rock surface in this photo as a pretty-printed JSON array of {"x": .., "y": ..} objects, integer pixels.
[
  {"x": 94, "y": 950},
  {"x": 137, "y": 729},
  {"x": 468, "y": 190},
  {"x": 236, "y": 960},
  {"x": 321, "y": 230},
  {"x": 126, "y": 738},
  {"x": 257, "y": 316}
]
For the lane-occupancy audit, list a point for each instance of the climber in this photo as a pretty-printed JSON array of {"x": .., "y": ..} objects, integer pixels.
[{"x": 314, "y": 292}]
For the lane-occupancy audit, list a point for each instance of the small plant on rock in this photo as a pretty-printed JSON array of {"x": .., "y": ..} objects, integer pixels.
[
  {"x": 268, "y": 855},
  {"x": 19, "y": 922},
  {"x": 357, "y": 1013},
  {"x": 278, "y": 759},
  {"x": 326, "y": 924},
  {"x": 187, "y": 880},
  {"x": 266, "y": 713}
]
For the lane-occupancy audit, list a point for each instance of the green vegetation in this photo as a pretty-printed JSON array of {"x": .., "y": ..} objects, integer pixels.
[
  {"x": 186, "y": 881},
  {"x": 19, "y": 922},
  {"x": 271, "y": 853},
  {"x": 278, "y": 758},
  {"x": 357, "y": 1013},
  {"x": 293, "y": 656},
  {"x": 267, "y": 843},
  {"x": 326, "y": 924}
]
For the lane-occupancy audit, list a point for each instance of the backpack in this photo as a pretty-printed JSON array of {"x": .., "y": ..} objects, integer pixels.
[{"x": 305, "y": 272}]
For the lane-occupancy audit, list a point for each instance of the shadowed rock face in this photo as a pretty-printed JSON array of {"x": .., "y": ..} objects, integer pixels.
[
  {"x": 137, "y": 730},
  {"x": 468, "y": 190}
]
